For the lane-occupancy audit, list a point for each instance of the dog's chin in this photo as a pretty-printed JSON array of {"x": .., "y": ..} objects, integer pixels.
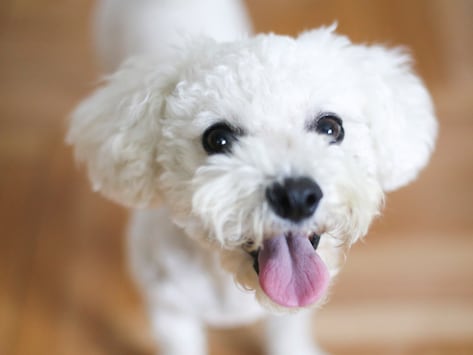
[{"x": 286, "y": 271}]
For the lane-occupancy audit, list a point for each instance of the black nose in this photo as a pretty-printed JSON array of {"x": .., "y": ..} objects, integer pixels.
[{"x": 294, "y": 199}]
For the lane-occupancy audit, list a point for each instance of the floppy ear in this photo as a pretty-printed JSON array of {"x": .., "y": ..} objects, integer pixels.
[
  {"x": 400, "y": 114},
  {"x": 116, "y": 131}
]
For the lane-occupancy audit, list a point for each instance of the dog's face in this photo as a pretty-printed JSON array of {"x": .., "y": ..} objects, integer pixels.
[{"x": 274, "y": 151}]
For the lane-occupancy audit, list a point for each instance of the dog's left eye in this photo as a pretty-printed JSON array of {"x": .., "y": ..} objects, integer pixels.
[
  {"x": 330, "y": 125},
  {"x": 219, "y": 138}
]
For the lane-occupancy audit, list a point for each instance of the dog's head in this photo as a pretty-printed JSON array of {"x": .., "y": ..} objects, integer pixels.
[{"x": 276, "y": 151}]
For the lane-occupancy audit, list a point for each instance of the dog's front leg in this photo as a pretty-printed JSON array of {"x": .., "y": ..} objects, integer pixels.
[
  {"x": 177, "y": 333},
  {"x": 291, "y": 334}
]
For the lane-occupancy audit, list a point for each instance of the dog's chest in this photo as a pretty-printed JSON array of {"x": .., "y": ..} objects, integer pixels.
[
  {"x": 176, "y": 271},
  {"x": 211, "y": 292}
]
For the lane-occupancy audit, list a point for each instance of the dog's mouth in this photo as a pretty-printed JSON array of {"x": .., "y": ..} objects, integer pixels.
[{"x": 290, "y": 271}]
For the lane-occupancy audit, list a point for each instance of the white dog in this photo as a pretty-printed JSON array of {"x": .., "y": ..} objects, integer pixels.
[{"x": 252, "y": 163}]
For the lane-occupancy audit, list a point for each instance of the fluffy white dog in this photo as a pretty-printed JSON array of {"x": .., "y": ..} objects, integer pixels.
[{"x": 252, "y": 163}]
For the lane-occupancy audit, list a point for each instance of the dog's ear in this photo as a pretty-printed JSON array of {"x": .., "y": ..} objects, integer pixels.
[
  {"x": 399, "y": 112},
  {"x": 116, "y": 131}
]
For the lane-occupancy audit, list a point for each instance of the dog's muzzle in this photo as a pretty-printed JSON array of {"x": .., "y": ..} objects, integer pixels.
[{"x": 289, "y": 269}]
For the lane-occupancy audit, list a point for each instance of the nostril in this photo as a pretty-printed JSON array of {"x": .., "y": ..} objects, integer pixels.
[
  {"x": 311, "y": 200},
  {"x": 284, "y": 202},
  {"x": 295, "y": 198},
  {"x": 278, "y": 199}
]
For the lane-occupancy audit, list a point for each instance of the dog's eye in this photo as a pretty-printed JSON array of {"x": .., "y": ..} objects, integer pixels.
[
  {"x": 219, "y": 138},
  {"x": 330, "y": 125}
]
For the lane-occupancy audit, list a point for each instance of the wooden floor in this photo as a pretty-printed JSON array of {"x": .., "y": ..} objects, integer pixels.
[{"x": 408, "y": 289}]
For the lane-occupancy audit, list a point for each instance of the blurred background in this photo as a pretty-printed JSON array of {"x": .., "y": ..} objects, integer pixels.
[{"x": 64, "y": 289}]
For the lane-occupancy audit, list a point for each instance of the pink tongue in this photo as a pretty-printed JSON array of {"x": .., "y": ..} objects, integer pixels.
[{"x": 290, "y": 271}]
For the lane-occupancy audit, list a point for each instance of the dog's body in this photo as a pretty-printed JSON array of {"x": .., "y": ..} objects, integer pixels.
[
  {"x": 260, "y": 160},
  {"x": 127, "y": 28}
]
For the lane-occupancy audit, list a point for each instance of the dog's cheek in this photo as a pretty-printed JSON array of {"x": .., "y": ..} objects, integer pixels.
[
  {"x": 229, "y": 209},
  {"x": 352, "y": 199}
]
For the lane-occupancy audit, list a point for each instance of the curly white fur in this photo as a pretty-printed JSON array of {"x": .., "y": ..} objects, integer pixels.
[{"x": 140, "y": 135}]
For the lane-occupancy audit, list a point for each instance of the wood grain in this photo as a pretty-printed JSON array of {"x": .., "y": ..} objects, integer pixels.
[{"x": 64, "y": 288}]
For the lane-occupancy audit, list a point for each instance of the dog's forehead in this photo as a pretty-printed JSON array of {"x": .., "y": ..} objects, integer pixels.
[{"x": 274, "y": 80}]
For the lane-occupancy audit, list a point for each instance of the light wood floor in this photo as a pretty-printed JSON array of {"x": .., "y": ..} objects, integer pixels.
[{"x": 408, "y": 289}]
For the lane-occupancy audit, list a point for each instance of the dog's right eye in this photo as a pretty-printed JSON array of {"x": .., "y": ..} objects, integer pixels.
[
  {"x": 219, "y": 138},
  {"x": 330, "y": 125}
]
